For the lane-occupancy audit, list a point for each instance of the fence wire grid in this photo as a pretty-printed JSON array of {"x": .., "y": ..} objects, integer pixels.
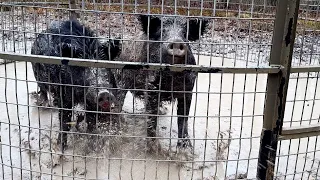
[{"x": 136, "y": 89}]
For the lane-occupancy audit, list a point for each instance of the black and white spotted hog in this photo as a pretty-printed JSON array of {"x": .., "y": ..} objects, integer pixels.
[
  {"x": 169, "y": 37},
  {"x": 72, "y": 39}
]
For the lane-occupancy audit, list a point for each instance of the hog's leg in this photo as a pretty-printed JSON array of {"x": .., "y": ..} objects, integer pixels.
[
  {"x": 184, "y": 104},
  {"x": 79, "y": 119},
  {"x": 40, "y": 75},
  {"x": 65, "y": 115},
  {"x": 120, "y": 95},
  {"x": 152, "y": 108},
  {"x": 91, "y": 121},
  {"x": 43, "y": 95},
  {"x": 152, "y": 122},
  {"x": 65, "y": 119}
]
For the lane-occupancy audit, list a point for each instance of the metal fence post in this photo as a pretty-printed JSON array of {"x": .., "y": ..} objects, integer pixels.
[{"x": 277, "y": 85}]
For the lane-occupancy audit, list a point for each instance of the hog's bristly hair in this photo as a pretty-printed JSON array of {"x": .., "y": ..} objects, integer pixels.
[
  {"x": 73, "y": 40},
  {"x": 173, "y": 48}
]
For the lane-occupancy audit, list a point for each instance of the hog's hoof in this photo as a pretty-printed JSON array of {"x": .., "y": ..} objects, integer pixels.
[
  {"x": 57, "y": 155},
  {"x": 41, "y": 102},
  {"x": 163, "y": 110},
  {"x": 40, "y": 99},
  {"x": 33, "y": 94},
  {"x": 62, "y": 142},
  {"x": 55, "y": 102},
  {"x": 153, "y": 146},
  {"x": 56, "y": 160},
  {"x": 184, "y": 143}
]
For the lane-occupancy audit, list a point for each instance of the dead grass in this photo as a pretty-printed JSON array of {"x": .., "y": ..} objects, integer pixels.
[
  {"x": 309, "y": 24},
  {"x": 259, "y": 24}
]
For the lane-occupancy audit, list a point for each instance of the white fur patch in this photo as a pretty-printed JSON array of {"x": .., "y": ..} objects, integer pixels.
[
  {"x": 104, "y": 91},
  {"x": 78, "y": 110}
]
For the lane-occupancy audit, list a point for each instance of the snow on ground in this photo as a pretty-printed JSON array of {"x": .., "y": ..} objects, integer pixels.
[{"x": 221, "y": 118}]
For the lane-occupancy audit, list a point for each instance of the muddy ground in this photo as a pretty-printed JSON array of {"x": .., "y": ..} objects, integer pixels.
[{"x": 224, "y": 109}]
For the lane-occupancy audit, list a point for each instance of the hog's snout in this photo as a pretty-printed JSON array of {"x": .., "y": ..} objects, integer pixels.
[
  {"x": 106, "y": 100},
  {"x": 177, "y": 48}
]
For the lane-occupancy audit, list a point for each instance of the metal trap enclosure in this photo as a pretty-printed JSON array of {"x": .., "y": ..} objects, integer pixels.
[{"x": 136, "y": 89}]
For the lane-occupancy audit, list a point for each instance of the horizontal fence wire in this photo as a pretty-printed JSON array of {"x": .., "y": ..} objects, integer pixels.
[
  {"x": 140, "y": 66},
  {"x": 225, "y": 116}
]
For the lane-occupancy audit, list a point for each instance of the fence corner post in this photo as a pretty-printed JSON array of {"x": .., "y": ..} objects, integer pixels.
[{"x": 277, "y": 85}]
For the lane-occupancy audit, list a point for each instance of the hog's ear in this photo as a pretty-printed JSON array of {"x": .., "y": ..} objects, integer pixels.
[
  {"x": 196, "y": 25},
  {"x": 155, "y": 24}
]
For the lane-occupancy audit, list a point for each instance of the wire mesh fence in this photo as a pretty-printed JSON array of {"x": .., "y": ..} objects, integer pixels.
[
  {"x": 301, "y": 100},
  {"x": 151, "y": 89}
]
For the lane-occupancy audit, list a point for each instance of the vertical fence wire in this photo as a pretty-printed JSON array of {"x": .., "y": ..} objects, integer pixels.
[{"x": 301, "y": 102}]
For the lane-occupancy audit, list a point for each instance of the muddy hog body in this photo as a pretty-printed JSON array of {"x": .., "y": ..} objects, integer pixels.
[
  {"x": 65, "y": 96},
  {"x": 173, "y": 48}
]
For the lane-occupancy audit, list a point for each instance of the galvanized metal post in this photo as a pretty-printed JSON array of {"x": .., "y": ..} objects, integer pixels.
[{"x": 277, "y": 85}]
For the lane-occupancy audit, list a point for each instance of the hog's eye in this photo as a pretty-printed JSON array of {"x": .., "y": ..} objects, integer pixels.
[{"x": 100, "y": 99}]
